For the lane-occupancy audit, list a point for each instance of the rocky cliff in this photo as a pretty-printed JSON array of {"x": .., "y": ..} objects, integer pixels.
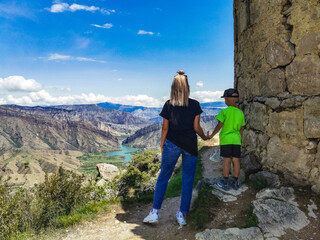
[
  {"x": 277, "y": 72},
  {"x": 118, "y": 123},
  {"x": 31, "y": 130},
  {"x": 149, "y": 138}
]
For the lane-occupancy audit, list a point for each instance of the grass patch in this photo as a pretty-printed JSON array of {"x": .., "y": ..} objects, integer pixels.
[
  {"x": 90, "y": 160},
  {"x": 258, "y": 184},
  {"x": 86, "y": 212},
  {"x": 200, "y": 215},
  {"x": 252, "y": 218}
]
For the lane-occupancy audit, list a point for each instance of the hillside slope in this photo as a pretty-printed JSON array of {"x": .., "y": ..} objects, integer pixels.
[
  {"x": 33, "y": 130},
  {"x": 149, "y": 138}
]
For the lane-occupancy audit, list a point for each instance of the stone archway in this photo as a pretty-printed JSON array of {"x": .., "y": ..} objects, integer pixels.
[{"x": 277, "y": 72}]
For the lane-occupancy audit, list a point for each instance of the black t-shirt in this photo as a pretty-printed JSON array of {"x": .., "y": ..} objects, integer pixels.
[{"x": 181, "y": 119}]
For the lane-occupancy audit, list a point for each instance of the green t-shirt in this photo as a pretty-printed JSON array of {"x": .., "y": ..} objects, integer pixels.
[{"x": 232, "y": 119}]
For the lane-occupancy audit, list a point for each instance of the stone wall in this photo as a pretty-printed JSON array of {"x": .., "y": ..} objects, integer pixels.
[{"x": 277, "y": 73}]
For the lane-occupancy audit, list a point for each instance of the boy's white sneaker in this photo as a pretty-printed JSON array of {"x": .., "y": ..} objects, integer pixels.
[
  {"x": 151, "y": 218},
  {"x": 180, "y": 219}
]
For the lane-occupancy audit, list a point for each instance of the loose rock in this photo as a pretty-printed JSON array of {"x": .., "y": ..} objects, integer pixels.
[
  {"x": 276, "y": 216},
  {"x": 107, "y": 171},
  {"x": 252, "y": 233}
]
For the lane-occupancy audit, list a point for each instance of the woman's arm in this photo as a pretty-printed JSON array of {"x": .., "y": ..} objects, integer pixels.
[
  {"x": 164, "y": 131},
  {"x": 198, "y": 128},
  {"x": 217, "y": 129}
]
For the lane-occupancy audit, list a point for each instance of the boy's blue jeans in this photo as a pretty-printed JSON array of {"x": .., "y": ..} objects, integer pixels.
[{"x": 170, "y": 156}]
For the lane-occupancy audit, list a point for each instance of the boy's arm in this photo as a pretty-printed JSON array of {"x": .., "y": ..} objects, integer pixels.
[
  {"x": 241, "y": 131},
  {"x": 217, "y": 129}
]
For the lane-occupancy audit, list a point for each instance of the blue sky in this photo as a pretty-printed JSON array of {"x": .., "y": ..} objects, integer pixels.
[{"x": 90, "y": 51}]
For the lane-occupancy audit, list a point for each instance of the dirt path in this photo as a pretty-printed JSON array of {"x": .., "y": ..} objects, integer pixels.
[{"x": 126, "y": 224}]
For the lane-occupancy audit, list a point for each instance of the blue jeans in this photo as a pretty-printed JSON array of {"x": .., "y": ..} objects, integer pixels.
[{"x": 170, "y": 156}]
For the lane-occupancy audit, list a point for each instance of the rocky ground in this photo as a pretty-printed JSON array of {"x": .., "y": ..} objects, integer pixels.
[{"x": 283, "y": 213}]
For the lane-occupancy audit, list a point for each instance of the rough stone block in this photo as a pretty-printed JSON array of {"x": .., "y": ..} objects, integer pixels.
[
  {"x": 272, "y": 102},
  {"x": 258, "y": 118},
  {"x": 303, "y": 76},
  {"x": 272, "y": 82},
  {"x": 287, "y": 125},
  {"x": 316, "y": 188},
  {"x": 292, "y": 102},
  {"x": 279, "y": 53},
  {"x": 312, "y": 117},
  {"x": 250, "y": 165},
  {"x": 310, "y": 44},
  {"x": 291, "y": 160},
  {"x": 252, "y": 233},
  {"x": 249, "y": 141},
  {"x": 275, "y": 217}
]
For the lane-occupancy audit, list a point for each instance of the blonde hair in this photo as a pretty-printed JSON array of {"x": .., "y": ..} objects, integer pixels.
[{"x": 180, "y": 90}]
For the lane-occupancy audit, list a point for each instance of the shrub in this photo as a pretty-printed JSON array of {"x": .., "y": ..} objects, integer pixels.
[
  {"x": 140, "y": 175},
  {"x": 45, "y": 205}
]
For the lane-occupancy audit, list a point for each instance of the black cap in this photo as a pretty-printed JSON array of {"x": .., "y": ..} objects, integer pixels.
[{"x": 231, "y": 92}]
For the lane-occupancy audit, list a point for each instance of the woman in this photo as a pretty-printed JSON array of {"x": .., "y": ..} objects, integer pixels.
[{"x": 181, "y": 124}]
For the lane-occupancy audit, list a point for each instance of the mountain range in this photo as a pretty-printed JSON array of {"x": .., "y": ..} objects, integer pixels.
[{"x": 209, "y": 109}]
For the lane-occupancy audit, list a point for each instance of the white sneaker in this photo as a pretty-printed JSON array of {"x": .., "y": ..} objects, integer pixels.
[
  {"x": 151, "y": 218},
  {"x": 180, "y": 219}
]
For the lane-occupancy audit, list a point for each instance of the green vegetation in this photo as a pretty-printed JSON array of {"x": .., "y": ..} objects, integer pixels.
[
  {"x": 138, "y": 183},
  {"x": 140, "y": 177},
  {"x": 200, "y": 215},
  {"x": 90, "y": 160},
  {"x": 252, "y": 218},
  {"x": 60, "y": 201},
  {"x": 258, "y": 184}
]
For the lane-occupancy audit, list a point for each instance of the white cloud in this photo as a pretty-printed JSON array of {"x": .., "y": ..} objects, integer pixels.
[
  {"x": 59, "y": 57},
  {"x": 107, "y": 12},
  {"x": 207, "y": 96},
  {"x": 43, "y": 97},
  {"x": 59, "y": 7},
  {"x": 19, "y": 83},
  {"x": 119, "y": 79},
  {"x": 143, "y": 32},
  {"x": 199, "y": 84},
  {"x": 75, "y": 7},
  {"x": 107, "y": 25},
  {"x": 2, "y": 101},
  {"x": 56, "y": 56}
]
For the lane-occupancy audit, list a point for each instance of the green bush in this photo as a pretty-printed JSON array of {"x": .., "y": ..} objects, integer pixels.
[
  {"x": 46, "y": 205},
  {"x": 140, "y": 176}
]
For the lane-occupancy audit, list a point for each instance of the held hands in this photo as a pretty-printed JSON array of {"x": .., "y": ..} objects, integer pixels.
[{"x": 208, "y": 136}]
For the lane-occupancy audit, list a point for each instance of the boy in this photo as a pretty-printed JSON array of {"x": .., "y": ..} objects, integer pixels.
[{"x": 231, "y": 120}]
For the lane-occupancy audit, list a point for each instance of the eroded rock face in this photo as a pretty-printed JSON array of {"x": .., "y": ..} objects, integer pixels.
[
  {"x": 277, "y": 211},
  {"x": 252, "y": 233},
  {"x": 276, "y": 216},
  {"x": 277, "y": 73},
  {"x": 107, "y": 171}
]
